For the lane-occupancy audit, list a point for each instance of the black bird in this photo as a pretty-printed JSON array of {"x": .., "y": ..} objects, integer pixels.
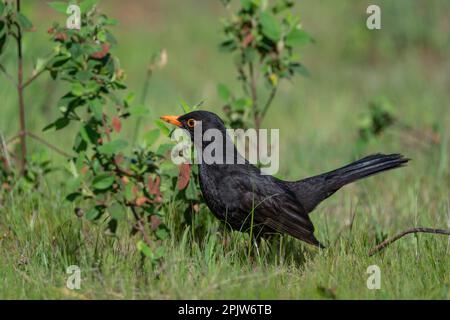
[{"x": 245, "y": 199}]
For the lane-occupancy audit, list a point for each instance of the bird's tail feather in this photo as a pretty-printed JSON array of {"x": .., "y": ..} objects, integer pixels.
[
  {"x": 313, "y": 190},
  {"x": 365, "y": 167}
]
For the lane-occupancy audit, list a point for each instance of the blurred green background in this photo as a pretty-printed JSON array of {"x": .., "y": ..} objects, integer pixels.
[{"x": 406, "y": 62}]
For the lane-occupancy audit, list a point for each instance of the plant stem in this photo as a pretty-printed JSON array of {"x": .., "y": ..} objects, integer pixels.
[
  {"x": 32, "y": 78},
  {"x": 256, "y": 118},
  {"x": 22, "y": 133},
  {"x": 269, "y": 102},
  {"x": 41, "y": 140},
  {"x": 143, "y": 98}
]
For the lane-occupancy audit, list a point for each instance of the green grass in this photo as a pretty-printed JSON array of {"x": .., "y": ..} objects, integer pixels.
[{"x": 406, "y": 61}]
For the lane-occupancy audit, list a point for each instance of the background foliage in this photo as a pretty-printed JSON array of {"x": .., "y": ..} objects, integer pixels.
[{"x": 402, "y": 69}]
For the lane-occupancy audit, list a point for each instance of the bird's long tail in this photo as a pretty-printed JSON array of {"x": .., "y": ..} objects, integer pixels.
[
  {"x": 365, "y": 167},
  {"x": 312, "y": 191}
]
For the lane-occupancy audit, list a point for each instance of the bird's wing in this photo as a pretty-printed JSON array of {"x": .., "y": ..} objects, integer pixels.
[{"x": 271, "y": 204}]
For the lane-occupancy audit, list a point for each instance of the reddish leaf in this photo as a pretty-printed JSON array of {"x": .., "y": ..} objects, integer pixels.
[
  {"x": 117, "y": 125},
  {"x": 247, "y": 40},
  {"x": 153, "y": 187},
  {"x": 119, "y": 159},
  {"x": 102, "y": 53},
  {"x": 184, "y": 175},
  {"x": 125, "y": 180},
  {"x": 61, "y": 36},
  {"x": 135, "y": 190},
  {"x": 141, "y": 201},
  {"x": 84, "y": 170},
  {"x": 154, "y": 222}
]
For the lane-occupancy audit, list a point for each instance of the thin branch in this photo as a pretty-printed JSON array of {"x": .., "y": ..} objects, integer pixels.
[
  {"x": 33, "y": 77},
  {"x": 12, "y": 139},
  {"x": 269, "y": 101},
  {"x": 22, "y": 120},
  {"x": 7, "y": 75},
  {"x": 48, "y": 144},
  {"x": 139, "y": 226},
  {"x": 142, "y": 101},
  {"x": 243, "y": 77},
  {"x": 41, "y": 140},
  {"x": 387, "y": 242},
  {"x": 254, "y": 94}
]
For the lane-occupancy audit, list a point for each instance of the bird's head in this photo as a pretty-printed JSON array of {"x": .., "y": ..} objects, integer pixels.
[
  {"x": 189, "y": 121},
  {"x": 206, "y": 129}
]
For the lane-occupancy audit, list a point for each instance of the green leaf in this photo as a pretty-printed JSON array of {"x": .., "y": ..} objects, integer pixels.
[
  {"x": 113, "y": 147},
  {"x": 117, "y": 211},
  {"x": 73, "y": 184},
  {"x": 246, "y": 4},
  {"x": 162, "y": 233},
  {"x": 223, "y": 92},
  {"x": 144, "y": 249},
  {"x": 3, "y": 38},
  {"x": 112, "y": 225},
  {"x": 96, "y": 108},
  {"x": 92, "y": 214},
  {"x": 139, "y": 110},
  {"x": 2, "y": 7},
  {"x": 87, "y": 5},
  {"x": 270, "y": 26},
  {"x": 103, "y": 181},
  {"x": 151, "y": 136},
  {"x": 129, "y": 192},
  {"x": 297, "y": 37},
  {"x": 23, "y": 21},
  {"x": 73, "y": 196},
  {"x": 58, "y": 6},
  {"x": 77, "y": 89},
  {"x": 186, "y": 108},
  {"x": 191, "y": 190},
  {"x": 89, "y": 134},
  {"x": 110, "y": 22},
  {"x": 164, "y": 129},
  {"x": 159, "y": 253},
  {"x": 58, "y": 124},
  {"x": 129, "y": 98},
  {"x": 300, "y": 69},
  {"x": 84, "y": 75},
  {"x": 40, "y": 64},
  {"x": 163, "y": 148},
  {"x": 101, "y": 35}
]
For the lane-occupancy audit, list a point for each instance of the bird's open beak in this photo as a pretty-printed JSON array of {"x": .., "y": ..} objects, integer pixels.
[{"x": 172, "y": 119}]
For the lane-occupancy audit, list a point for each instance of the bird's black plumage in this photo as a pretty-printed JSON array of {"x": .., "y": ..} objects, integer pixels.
[{"x": 244, "y": 198}]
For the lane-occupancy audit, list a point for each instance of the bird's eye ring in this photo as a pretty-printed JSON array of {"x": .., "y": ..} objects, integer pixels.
[{"x": 191, "y": 123}]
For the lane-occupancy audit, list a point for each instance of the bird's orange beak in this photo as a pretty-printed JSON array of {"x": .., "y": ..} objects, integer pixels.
[{"x": 172, "y": 119}]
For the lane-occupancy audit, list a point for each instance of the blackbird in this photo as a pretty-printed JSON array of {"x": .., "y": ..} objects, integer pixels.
[{"x": 245, "y": 199}]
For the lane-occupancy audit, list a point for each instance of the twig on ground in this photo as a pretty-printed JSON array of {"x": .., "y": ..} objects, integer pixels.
[{"x": 387, "y": 242}]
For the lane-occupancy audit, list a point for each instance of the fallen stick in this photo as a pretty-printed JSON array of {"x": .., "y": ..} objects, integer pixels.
[{"x": 387, "y": 242}]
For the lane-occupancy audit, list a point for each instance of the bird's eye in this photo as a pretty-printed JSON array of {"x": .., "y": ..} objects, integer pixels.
[{"x": 191, "y": 123}]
